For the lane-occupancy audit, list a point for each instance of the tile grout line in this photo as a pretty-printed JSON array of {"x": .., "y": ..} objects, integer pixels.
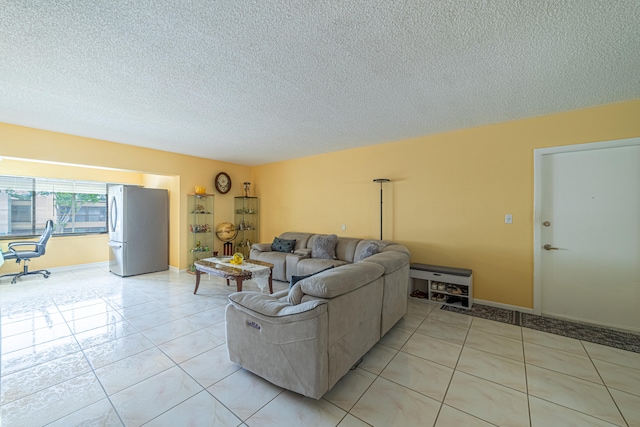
[
  {"x": 526, "y": 377},
  {"x": 92, "y": 371},
  {"x": 604, "y": 383},
  {"x": 451, "y": 379}
]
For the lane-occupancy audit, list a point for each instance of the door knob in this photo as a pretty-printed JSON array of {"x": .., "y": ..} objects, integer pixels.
[{"x": 548, "y": 247}]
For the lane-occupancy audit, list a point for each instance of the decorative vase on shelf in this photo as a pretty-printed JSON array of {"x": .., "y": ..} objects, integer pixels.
[{"x": 246, "y": 186}]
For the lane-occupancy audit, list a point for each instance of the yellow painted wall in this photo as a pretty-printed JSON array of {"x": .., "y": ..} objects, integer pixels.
[
  {"x": 178, "y": 173},
  {"x": 446, "y": 202},
  {"x": 448, "y": 196}
]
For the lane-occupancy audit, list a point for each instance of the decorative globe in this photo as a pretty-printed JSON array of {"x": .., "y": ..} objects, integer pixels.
[{"x": 226, "y": 231}]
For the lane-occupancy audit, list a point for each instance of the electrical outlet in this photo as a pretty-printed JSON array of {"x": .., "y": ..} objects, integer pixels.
[
  {"x": 344, "y": 227},
  {"x": 508, "y": 219}
]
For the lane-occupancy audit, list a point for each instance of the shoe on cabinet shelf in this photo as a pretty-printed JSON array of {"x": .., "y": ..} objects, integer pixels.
[
  {"x": 434, "y": 286},
  {"x": 418, "y": 294},
  {"x": 441, "y": 298},
  {"x": 453, "y": 300},
  {"x": 442, "y": 286}
]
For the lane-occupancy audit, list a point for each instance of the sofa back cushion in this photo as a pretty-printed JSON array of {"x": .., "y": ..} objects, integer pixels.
[
  {"x": 301, "y": 238},
  {"x": 346, "y": 248},
  {"x": 340, "y": 280}
]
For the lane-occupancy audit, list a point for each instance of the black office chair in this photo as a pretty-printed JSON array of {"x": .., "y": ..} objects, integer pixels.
[{"x": 36, "y": 250}]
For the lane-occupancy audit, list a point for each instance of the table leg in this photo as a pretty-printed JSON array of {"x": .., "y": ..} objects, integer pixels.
[
  {"x": 270, "y": 281},
  {"x": 197, "y": 281},
  {"x": 239, "y": 284}
]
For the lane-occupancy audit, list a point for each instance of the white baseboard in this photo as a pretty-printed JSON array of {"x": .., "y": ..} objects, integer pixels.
[
  {"x": 102, "y": 264},
  {"x": 505, "y": 306}
]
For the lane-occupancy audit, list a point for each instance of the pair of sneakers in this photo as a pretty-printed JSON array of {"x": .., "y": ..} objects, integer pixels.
[
  {"x": 438, "y": 297},
  {"x": 418, "y": 294}
]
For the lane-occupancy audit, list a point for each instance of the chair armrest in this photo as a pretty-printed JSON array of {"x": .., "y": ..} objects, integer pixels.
[{"x": 10, "y": 246}]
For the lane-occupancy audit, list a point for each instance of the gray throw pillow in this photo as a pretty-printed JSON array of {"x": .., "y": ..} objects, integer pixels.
[
  {"x": 295, "y": 295},
  {"x": 368, "y": 250},
  {"x": 283, "y": 245},
  {"x": 324, "y": 247}
]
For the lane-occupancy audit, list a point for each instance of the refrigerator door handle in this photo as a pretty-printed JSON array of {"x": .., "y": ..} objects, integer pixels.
[
  {"x": 115, "y": 245},
  {"x": 114, "y": 214}
]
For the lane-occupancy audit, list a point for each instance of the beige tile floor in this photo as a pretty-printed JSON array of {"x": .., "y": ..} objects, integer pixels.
[{"x": 86, "y": 347}]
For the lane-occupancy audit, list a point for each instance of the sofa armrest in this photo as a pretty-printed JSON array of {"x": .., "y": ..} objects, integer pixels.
[
  {"x": 391, "y": 260},
  {"x": 397, "y": 248},
  {"x": 262, "y": 247},
  {"x": 273, "y": 310},
  {"x": 292, "y": 264},
  {"x": 340, "y": 280}
]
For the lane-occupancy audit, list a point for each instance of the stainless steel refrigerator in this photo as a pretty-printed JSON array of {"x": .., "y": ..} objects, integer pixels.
[{"x": 138, "y": 230}]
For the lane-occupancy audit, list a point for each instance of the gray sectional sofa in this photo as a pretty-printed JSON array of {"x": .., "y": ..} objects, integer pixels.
[
  {"x": 392, "y": 256},
  {"x": 308, "y": 337}
]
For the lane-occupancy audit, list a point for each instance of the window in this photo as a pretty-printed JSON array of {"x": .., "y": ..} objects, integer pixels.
[{"x": 76, "y": 207}]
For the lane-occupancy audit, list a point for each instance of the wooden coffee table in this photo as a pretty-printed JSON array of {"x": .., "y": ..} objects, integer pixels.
[{"x": 230, "y": 273}]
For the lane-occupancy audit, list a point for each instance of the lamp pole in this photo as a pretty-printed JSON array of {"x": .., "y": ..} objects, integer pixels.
[{"x": 381, "y": 181}]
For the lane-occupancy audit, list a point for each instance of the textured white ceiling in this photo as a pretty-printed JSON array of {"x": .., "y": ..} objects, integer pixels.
[{"x": 253, "y": 82}]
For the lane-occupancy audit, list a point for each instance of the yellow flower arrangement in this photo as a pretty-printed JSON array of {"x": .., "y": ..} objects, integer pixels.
[{"x": 237, "y": 259}]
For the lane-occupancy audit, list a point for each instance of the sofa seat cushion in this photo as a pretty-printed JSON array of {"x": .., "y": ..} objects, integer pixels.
[
  {"x": 301, "y": 238},
  {"x": 340, "y": 280}
]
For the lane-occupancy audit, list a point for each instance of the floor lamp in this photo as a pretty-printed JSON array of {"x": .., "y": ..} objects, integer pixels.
[{"x": 381, "y": 181}]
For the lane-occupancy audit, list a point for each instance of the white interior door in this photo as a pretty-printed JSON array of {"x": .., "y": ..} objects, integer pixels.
[{"x": 590, "y": 219}]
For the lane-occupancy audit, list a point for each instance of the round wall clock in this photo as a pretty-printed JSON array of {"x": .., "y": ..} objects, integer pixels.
[{"x": 223, "y": 183}]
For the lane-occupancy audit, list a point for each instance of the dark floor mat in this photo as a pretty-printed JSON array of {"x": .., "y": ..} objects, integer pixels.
[{"x": 595, "y": 334}]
